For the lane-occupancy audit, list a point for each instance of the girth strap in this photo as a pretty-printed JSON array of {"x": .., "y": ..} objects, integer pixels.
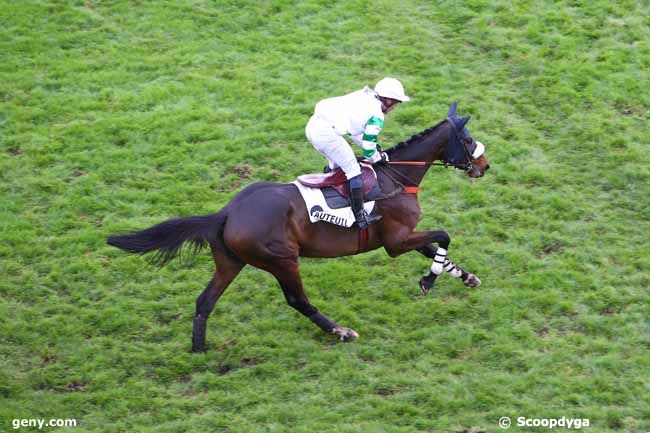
[{"x": 362, "y": 241}]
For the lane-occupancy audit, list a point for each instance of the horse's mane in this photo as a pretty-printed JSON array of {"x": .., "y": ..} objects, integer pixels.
[{"x": 413, "y": 138}]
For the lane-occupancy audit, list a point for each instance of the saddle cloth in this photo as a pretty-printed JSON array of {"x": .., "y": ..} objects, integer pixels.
[{"x": 319, "y": 210}]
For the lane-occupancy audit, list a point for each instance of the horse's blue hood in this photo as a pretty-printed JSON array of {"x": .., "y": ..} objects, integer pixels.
[{"x": 455, "y": 152}]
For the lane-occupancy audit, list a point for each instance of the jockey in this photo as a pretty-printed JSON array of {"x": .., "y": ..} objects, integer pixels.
[{"x": 359, "y": 115}]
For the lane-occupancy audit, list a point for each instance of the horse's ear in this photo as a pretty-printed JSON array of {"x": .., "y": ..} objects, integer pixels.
[
  {"x": 452, "y": 109},
  {"x": 463, "y": 121}
]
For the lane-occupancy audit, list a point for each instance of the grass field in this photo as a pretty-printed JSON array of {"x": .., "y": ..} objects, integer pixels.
[{"x": 118, "y": 115}]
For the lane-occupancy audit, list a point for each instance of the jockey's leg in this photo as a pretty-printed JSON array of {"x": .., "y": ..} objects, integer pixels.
[
  {"x": 345, "y": 157},
  {"x": 321, "y": 135},
  {"x": 355, "y": 187},
  {"x": 339, "y": 153}
]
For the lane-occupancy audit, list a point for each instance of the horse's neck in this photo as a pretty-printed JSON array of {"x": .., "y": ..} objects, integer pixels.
[{"x": 428, "y": 148}]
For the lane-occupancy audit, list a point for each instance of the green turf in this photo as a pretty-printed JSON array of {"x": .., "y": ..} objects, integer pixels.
[{"x": 117, "y": 115}]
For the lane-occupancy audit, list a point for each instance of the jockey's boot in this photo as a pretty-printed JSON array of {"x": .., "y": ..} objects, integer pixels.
[{"x": 355, "y": 186}]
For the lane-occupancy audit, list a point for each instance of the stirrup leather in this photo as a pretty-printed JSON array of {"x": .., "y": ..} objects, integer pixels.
[{"x": 356, "y": 202}]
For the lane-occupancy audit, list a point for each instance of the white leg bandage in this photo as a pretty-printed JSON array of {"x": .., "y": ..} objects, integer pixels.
[
  {"x": 442, "y": 263},
  {"x": 453, "y": 270},
  {"x": 439, "y": 261}
]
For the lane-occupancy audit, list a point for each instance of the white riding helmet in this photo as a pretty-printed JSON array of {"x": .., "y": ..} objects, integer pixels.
[{"x": 391, "y": 88}]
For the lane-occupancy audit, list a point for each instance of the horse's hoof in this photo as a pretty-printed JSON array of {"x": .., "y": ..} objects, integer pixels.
[
  {"x": 425, "y": 286},
  {"x": 346, "y": 334},
  {"x": 196, "y": 348},
  {"x": 426, "y": 282},
  {"x": 472, "y": 281}
]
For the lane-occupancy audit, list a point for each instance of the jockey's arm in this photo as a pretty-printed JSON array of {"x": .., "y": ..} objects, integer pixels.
[
  {"x": 369, "y": 139},
  {"x": 357, "y": 139}
]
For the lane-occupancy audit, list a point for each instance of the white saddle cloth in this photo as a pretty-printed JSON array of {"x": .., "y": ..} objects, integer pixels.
[{"x": 319, "y": 210}]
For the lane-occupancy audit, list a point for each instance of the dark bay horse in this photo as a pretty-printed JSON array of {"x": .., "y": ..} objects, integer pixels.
[{"x": 266, "y": 225}]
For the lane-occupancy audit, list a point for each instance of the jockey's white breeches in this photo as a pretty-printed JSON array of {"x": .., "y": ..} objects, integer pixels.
[{"x": 338, "y": 152}]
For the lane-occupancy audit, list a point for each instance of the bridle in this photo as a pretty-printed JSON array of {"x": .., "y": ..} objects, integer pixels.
[{"x": 467, "y": 165}]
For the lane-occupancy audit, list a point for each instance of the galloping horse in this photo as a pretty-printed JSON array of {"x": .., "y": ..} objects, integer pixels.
[{"x": 266, "y": 225}]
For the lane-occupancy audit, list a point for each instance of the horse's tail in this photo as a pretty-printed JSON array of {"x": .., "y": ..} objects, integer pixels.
[{"x": 168, "y": 237}]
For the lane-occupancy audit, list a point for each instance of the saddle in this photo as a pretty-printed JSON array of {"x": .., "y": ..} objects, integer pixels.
[{"x": 334, "y": 186}]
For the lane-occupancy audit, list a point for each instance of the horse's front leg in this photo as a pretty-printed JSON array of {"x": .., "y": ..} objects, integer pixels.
[
  {"x": 401, "y": 243},
  {"x": 442, "y": 263}
]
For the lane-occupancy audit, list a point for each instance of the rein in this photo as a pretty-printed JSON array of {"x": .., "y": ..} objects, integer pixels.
[
  {"x": 464, "y": 166},
  {"x": 423, "y": 163},
  {"x": 411, "y": 186}
]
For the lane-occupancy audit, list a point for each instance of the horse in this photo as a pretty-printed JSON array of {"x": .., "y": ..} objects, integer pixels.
[{"x": 266, "y": 225}]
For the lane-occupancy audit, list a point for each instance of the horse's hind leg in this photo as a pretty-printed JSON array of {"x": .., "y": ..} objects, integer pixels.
[
  {"x": 287, "y": 274},
  {"x": 228, "y": 268}
]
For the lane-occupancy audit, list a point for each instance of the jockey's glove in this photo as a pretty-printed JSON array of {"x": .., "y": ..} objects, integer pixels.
[{"x": 377, "y": 156}]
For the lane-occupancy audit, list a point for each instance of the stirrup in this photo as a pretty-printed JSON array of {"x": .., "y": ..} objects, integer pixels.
[{"x": 364, "y": 219}]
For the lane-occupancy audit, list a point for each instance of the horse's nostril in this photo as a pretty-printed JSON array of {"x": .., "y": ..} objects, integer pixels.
[{"x": 487, "y": 167}]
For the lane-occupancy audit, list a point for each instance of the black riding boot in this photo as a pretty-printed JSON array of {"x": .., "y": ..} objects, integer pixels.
[{"x": 355, "y": 186}]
